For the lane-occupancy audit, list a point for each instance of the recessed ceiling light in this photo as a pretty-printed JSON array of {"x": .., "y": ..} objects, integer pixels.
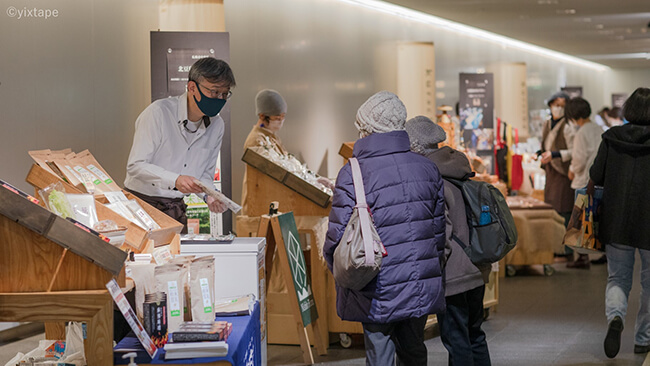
[
  {"x": 566, "y": 11},
  {"x": 599, "y": 26},
  {"x": 585, "y": 20},
  {"x": 546, "y": 2}
]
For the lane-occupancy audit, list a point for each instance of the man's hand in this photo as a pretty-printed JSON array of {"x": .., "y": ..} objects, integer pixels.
[
  {"x": 546, "y": 157},
  {"x": 216, "y": 206},
  {"x": 185, "y": 184},
  {"x": 571, "y": 175}
]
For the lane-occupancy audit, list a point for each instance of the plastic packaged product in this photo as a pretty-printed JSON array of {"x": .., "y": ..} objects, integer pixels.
[
  {"x": 169, "y": 279},
  {"x": 83, "y": 207},
  {"x": 185, "y": 261},
  {"x": 86, "y": 160},
  {"x": 232, "y": 206},
  {"x": 142, "y": 275},
  {"x": 155, "y": 317},
  {"x": 141, "y": 215},
  {"x": 56, "y": 200},
  {"x": 202, "y": 289}
]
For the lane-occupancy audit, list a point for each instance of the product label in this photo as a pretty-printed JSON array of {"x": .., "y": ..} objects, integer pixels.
[
  {"x": 98, "y": 172},
  {"x": 205, "y": 291},
  {"x": 162, "y": 255},
  {"x": 145, "y": 218},
  {"x": 173, "y": 298},
  {"x": 87, "y": 176},
  {"x": 77, "y": 176}
]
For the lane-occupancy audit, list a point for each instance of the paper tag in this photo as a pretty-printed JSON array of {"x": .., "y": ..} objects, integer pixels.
[
  {"x": 98, "y": 172},
  {"x": 145, "y": 218},
  {"x": 115, "y": 196},
  {"x": 205, "y": 291},
  {"x": 173, "y": 299},
  {"x": 130, "y": 317}
]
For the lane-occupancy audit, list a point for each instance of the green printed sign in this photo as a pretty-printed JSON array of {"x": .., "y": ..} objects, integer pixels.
[{"x": 298, "y": 268}]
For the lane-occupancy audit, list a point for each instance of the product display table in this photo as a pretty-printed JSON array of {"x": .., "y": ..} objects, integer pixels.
[
  {"x": 540, "y": 230},
  {"x": 243, "y": 342}
]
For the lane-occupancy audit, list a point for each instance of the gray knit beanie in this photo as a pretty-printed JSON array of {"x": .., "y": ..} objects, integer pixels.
[
  {"x": 383, "y": 112},
  {"x": 270, "y": 103},
  {"x": 425, "y": 135}
]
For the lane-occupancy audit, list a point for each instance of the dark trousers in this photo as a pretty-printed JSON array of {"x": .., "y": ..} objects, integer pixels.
[
  {"x": 404, "y": 338},
  {"x": 460, "y": 329}
]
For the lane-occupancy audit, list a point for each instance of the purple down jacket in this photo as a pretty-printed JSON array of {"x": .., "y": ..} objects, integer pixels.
[{"x": 405, "y": 194}]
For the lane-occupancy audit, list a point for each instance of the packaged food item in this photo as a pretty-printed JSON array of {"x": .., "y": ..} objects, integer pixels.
[
  {"x": 162, "y": 255},
  {"x": 141, "y": 215},
  {"x": 120, "y": 209},
  {"x": 116, "y": 234},
  {"x": 232, "y": 206},
  {"x": 56, "y": 200},
  {"x": 202, "y": 289},
  {"x": 169, "y": 279},
  {"x": 155, "y": 317},
  {"x": 86, "y": 160},
  {"x": 185, "y": 261},
  {"x": 83, "y": 207},
  {"x": 142, "y": 275},
  {"x": 64, "y": 167}
]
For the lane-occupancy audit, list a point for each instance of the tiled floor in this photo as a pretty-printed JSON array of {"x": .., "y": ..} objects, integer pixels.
[{"x": 556, "y": 320}]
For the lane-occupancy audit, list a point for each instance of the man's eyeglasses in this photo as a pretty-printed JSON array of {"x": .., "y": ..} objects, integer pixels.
[{"x": 214, "y": 93}]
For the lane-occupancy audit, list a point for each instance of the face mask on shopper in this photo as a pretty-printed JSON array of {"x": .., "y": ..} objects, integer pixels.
[
  {"x": 557, "y": 112},
  {"x": 209, "y": 106}
]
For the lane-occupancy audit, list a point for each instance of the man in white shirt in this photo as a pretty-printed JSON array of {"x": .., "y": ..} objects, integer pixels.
[{"x": 178, "y": 139}]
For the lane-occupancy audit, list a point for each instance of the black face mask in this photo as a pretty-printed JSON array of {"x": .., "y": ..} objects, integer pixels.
[{"x": 209, "y": 106}]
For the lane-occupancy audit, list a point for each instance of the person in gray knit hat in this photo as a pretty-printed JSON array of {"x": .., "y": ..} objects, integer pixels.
[
  {"x": 271, "y": 110},
  {"x": 460, "y": 325},
  {"x": 382, "y": 112}
]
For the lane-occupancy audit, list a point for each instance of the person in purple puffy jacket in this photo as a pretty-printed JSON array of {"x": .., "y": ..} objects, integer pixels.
[{"x": 404, "y": 192}]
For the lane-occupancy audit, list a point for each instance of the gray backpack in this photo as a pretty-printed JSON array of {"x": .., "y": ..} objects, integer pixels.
[
  {"x": 492, "y": 231},
  {"x": 357, "y": 258}
]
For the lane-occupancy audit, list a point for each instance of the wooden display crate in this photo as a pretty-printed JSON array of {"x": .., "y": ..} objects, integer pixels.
[
  {"x": 136, "y": 236},
  {"x": 254, "y": 159},
  {"x": 55, "y": 271}
]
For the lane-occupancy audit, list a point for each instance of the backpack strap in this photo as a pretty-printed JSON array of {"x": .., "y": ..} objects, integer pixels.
[{"x": 363, "y": 210}]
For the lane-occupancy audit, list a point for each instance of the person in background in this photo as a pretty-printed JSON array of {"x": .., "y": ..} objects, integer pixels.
[
  {"x": 622, "y": 168},
  {"x": 404, "y": 193},
  {"x": 601, "y": 118},
  {"x": 271, "y": 110},
  {"x": 557, "y": 142},
  {"x": 460, "y": 325},
  {"x": 585, "y": 147},
  {"x": 615, "y": 117},
  {"x": 177, "y": 141}
]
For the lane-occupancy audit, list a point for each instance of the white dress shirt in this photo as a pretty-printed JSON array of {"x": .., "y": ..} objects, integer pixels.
[{"x": 161, "y": 152}]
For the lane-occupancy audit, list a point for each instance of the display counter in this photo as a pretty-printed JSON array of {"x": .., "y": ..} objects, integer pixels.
[{"x": 244, "y": 347}]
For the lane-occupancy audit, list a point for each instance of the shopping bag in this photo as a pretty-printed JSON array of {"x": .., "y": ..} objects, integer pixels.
[
  {"x": 582, "y": 231},
  {"x": 358, "y": 257}
]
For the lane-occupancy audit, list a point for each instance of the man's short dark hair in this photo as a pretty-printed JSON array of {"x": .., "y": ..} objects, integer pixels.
[
  {"x": 577, "y": 108},
  {"x": 212, "y": 70},
  {"x": 636, "y": 109}
]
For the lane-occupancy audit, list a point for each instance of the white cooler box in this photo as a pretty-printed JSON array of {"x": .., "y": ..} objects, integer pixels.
[{"x": 239, "y": 270}]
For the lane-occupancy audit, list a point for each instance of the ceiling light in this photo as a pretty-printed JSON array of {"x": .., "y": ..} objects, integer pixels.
[
  {"x": 546, "y": 2},
  {"x": 459, "y": 28},
  {"x": 566, "y": 11},
  {"x": 599, "y": 26},
  {"x": 619, "y": 56}
]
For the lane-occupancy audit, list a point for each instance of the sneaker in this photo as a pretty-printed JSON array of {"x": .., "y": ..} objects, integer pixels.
[
  {"x": 641, "y": 349},
  {"x": 613, "y": 337}
]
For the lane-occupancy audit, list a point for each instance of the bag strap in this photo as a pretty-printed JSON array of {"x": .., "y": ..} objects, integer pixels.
[{"x": 363, "y": 210}]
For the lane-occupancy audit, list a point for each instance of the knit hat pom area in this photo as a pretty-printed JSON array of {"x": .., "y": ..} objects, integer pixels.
[{"x": 382, "y": 112}]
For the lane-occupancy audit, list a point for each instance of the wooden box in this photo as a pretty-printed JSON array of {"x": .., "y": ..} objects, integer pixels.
[
  {"x": 136, "y": 236},
  {"x": 254, "y": 159}
]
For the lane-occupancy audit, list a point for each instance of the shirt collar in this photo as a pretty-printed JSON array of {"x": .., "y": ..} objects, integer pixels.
[{"x": 182, "y": 111}]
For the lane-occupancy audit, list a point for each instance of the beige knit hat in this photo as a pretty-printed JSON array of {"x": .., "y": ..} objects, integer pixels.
[{"x": 382, "y": 112}]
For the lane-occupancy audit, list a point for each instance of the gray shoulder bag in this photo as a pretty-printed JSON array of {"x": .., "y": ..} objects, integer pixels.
[{"x": 357, "y": 258}]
